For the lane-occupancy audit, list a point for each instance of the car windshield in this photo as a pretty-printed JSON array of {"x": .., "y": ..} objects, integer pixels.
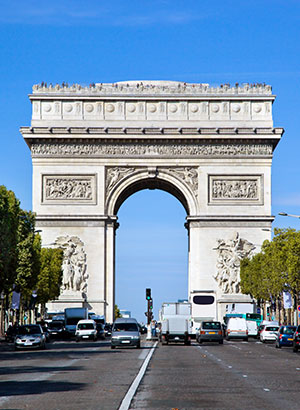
[
  {"x": 288, "y": 330},
  {"x": 29, "y": 330},
  {"x": 55, "y": 325},
  {"x": 127, "y": 327},
  {"x": 84, "y": 326},
  {"x": 211, "y": 325},
  {"x": 271, "y": 328}
]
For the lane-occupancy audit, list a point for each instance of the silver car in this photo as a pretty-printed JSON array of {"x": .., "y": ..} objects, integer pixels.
[
  {"x": 125, "y": 332},
  {"x": 30, "y": 336}
]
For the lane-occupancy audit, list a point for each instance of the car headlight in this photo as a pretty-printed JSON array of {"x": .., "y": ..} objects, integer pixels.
[
  {"x": 18, "y": 340},
  {"x": 135, "y": 337},
  {"x": 38, "y": 339}
]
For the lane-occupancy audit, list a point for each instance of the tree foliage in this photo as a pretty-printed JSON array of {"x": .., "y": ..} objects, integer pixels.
[
  {"x": 50, "y": 276},
  {"x": 275, "y": 269}
]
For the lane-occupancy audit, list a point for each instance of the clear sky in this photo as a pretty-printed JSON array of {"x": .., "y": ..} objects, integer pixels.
[{"x": 210, "y": 41}]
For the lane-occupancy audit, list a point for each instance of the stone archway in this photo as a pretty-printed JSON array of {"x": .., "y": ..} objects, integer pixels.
[{"x": 93, "y": 147}]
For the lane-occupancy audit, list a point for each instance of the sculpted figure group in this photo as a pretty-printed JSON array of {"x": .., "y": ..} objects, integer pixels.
[
  {"x": 230, "y": 253},
  {"x": 74, "y": 264}
]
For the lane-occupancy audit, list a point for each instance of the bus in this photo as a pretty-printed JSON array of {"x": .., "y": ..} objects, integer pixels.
[{"x": 256, "y": 317}]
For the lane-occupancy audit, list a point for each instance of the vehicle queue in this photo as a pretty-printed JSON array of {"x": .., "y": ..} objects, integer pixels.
[{"x": 127, "y": 332}]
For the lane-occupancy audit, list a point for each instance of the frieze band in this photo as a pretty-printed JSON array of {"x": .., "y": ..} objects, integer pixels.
[{"x": 150, "y": 149}]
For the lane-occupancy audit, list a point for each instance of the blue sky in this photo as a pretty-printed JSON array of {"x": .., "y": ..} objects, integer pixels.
[{"x": 194, "y": 41}]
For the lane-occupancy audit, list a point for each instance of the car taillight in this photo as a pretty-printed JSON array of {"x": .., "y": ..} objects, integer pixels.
[
  {"x": 247, "y": 332},
  {"x": 202, "y": 332},
  {"x": 280, "y": 336},
  {"x": 219, "y": 332}
]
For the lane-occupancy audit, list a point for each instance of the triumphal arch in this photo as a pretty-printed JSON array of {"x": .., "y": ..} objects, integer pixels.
[{"x": 211, "y": 147}]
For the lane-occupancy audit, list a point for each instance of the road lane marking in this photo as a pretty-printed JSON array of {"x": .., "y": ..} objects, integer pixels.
[
  {"x": 266, "y": 389},
  {"x": 135, "y": 384}
]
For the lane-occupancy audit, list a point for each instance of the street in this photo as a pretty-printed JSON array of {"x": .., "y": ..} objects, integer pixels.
[{"x": 70, "y": 375}]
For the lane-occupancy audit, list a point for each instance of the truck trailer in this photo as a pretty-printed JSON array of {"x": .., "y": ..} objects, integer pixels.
[
  {"x": 176, "y": 325},
  {"x": 72, "y": 317}
]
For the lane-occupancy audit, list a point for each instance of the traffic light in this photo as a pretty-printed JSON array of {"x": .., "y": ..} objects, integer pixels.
[
  {"x": 148, "y": 293},
  {"x": 151, "y": 304}
]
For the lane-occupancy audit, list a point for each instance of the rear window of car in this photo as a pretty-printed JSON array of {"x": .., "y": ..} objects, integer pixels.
[
  {"x": 288, "y": 330},
  {"x": 271, "y": 328},
  {"x": 85, "y": 326},
  {"x": 211, "y": 325}
]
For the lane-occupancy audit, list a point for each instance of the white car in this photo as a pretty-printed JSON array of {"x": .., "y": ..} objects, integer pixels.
[
  {"x": 86, "y": 329},
  {"x": 269, "y": 333}
]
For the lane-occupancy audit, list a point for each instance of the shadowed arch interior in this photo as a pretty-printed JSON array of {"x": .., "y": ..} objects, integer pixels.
[{"x": 151, "y": 183}]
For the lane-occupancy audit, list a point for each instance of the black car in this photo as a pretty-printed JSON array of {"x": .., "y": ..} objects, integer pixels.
[
  {"x": 11, "y": 333},
  {"x": 296, "y": 340},
  {"x": 56, "y": 329}
]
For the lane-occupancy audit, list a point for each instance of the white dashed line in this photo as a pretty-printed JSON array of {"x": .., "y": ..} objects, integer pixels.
[{"x": 266, "y": 389}]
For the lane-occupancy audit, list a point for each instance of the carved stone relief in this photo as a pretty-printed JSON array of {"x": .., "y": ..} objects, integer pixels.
[
  {"x": 69, "y": 188},
  {"x": 235, "y": 189},
  {"x": 74, "y": 264},
  {"x": 149, "y": 149},
  {"x": 114, "y": 175},
  {"x": 230, "y": 252},
  {"x": 189, "y": 175}
]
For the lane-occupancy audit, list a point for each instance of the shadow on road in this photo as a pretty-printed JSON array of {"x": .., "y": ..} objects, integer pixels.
[{"x": 20, "y": 388}]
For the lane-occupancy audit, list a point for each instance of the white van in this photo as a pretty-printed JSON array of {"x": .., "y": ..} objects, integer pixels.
[
  {"x": 236, "y": 328},
  {"x": 86, "y": 329},
  {"x": 252, "y": 328}
]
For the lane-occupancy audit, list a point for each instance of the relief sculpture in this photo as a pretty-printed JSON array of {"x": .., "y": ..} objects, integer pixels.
[
  {"x": 60, "y": 187},
  {"x": 189, "y": 175},
  {"x": 234, "y": 189},
  {"x": 74, "y": 264},
  {"x": 132, "y": 149},
  {"x": 115, "y": 174},
  {"x": 230, "y": 252}
]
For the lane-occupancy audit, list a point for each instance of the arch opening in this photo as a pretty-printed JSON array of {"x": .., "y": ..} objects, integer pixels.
[
  {"x": 151, "y": 251},
  {"x": 151, "y": 183}
]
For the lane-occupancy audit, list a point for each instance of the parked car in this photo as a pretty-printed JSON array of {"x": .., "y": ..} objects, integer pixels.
[
  {"x": 86, "y": 329},
  {"x": 269, "y": 333},
  {"x": 30, "y": 336},
  {"x": 296, "y": 340},
  {"x": 236, "y": 328},
  {"x": 209, "y": 332},
  {"x": 285, "y": 336},
  {"x": 263, "y": 324},
  {"x": 125, "y": 332}
]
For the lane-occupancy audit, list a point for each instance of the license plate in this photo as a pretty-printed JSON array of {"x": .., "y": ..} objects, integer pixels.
[
  {"x": 28, "y": 344},
  {"x": 290, "y": 339},
  {"x": 125, "y": 341},
  {"x": 85, "y": 337},
  {"x": 211, "y": 333}
]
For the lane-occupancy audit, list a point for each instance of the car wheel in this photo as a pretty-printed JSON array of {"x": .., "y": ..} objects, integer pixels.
[
  {"x": 200, "y": 341},
  {"x": 138, "y": 346},
  {"x": 77, "y": 339},
  {"x": 220, "y": 342},
  {"x": 295, "y": 349},
  {"x": 112, "y": 347},
  {"x": 246, "y": 339}
]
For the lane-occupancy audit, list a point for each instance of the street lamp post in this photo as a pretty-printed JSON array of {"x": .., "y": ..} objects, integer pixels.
[{"x": 285, "y": 214}]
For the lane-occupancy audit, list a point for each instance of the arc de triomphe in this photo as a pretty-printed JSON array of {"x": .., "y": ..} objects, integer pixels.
[{"x": 211, "y": 147}]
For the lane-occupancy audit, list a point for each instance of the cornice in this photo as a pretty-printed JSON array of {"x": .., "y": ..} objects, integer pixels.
[
  {"x": 79, "y": 131},
  {"x": 150, "y": 89}
]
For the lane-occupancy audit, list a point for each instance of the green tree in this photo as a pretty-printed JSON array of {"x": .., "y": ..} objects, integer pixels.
[
  {"x": 117, "y": 312},
  {"x": 9, "y": 223},
  {"x": 28, "y": 249},
  {"x": 50, "y": 275}
]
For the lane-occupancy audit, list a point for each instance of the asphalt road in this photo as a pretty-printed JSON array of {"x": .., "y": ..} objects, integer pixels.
[{"x": 88, "y": 376}]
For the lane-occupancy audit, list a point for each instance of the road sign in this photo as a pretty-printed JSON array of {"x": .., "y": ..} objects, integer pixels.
[
  {"x": 298, "y": 308},
  {"x": 258, "y": 310}
]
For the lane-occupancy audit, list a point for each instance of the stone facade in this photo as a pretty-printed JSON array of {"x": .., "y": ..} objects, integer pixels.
[{"x": 211, "y": 147}]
